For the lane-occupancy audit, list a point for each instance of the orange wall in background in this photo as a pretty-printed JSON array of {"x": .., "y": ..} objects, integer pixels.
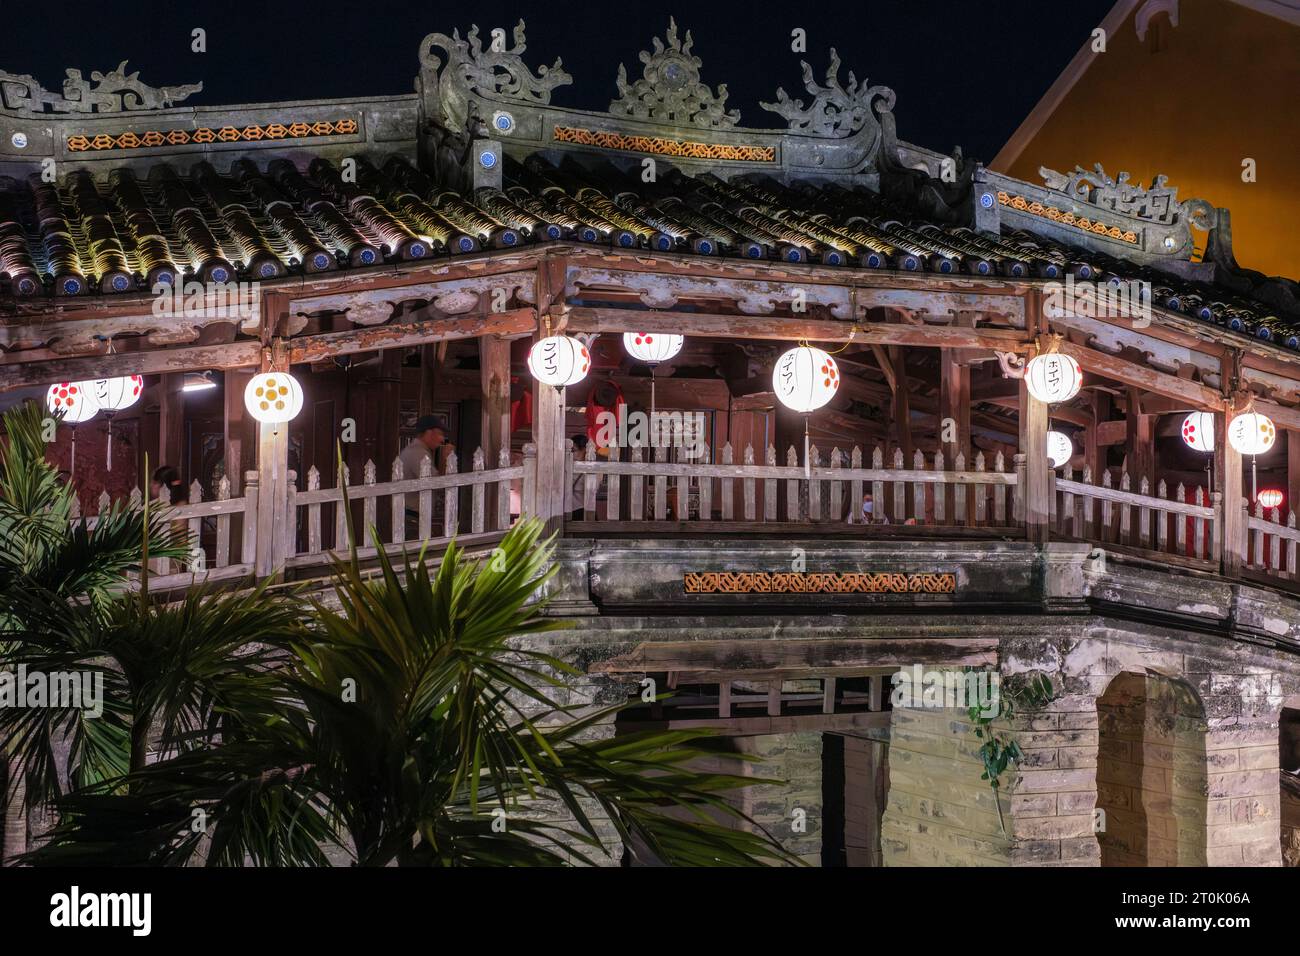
[{"x": 1225, "y": 86}]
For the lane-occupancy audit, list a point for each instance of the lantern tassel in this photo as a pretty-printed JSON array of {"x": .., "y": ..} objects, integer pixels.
[
  {"x": 108, "y": 457},
  {"x": 807, "y": 463},
  {"x": 72, "y": 464}
]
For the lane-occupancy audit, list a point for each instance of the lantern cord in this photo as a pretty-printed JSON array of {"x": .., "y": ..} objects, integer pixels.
[
  {"x": 108, "y": 458},
  {"x": 1254, "y": 481},
  {"x": 652, "y": 394},
  {"x": 72, "y": 464},
  {"x": 807, "y": 462}
]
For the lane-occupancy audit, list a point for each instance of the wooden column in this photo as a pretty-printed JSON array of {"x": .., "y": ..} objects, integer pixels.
[
  {"x": 390, "y": 407},
  {"x": 1292, "y": 473},
  {"x": 1228, "y": 468},
  {"x": 954, "y": 403},
  {"x": 551, "y": 495},
  {"x": 1139, "y": 442},
  {"x": 866, "y": 791},
  {"x": 171, "y": 425},
  {"x": 1093, "y": 454},
  {"x": 1038, "y": 469},
  {"x": 239, "y": 430},
  {"x": 273, "y": 497},
  {"x": 902, "y": 411},
  {"x": 494, "y": 378}
]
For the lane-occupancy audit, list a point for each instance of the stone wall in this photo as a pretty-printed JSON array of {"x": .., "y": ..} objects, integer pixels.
[{"x": 939, "y": 812}]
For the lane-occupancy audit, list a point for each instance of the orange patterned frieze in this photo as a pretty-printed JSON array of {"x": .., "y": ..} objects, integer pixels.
[
  {"x": 1066, "y": 218},
  {"x": 818, "y": 582},
  {"x": 664, "y": 147},
  {"x": 211, "y": 134}
]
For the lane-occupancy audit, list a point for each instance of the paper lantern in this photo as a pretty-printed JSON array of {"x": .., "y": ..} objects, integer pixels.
[
  {"x": 1270, "y": 497},
  {"x": 1198, "y": 431},
  {"x": 116, "y": 394},
  {"x": 273, "y": 397},
  {"x": 805, "y": 378},
  {"x": 652, "y": 347},
  {"x": 559, "y": 360},
  {"x": 1053, "y": 377},
  {"x": 74, "y": 399},
  {"x": 1059, "y": 448},
  {"x": 1252, "y": 433}
]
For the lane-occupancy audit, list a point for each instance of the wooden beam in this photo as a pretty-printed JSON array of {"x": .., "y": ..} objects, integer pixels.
[
  {"x": 743, "y": 659},
  {"x": 157, "y": 362},
  {"x": 1129, "y": 373},
  {"x": 310, "y": 348},
  {"x": 594, "y": 319}
]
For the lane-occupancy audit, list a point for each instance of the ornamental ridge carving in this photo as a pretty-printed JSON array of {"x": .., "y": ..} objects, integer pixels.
[
  {"x": 670, "y": 90},
  {"x": 835, "y": 110},
  {"x": 113, "y": 92},
  {"x": 1159, "y": 203},
  {"x": 497, "y": 73}
]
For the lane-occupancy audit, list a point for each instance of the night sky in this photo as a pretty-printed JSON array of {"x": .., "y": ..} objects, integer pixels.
[{"x": 965, "y": 72}]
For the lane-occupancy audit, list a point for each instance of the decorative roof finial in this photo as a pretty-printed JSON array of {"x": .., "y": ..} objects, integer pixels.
[
  {"x": 670, "y": 90},
  {"x": 835, "y": 110},
  {"x": 114, "y": 92},
  {"x": 493, "y": 72}
]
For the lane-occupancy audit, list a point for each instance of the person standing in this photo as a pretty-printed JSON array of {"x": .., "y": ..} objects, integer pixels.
[{"x": 430, "y": 442}]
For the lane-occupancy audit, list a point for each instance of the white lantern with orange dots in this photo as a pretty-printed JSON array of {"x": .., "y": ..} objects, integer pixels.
[
  {"x": 273, "y": 397},
  {"x": 652, "y": 347},
  {"x": 805, "y": 378},
  {"x": 1059, "y": 448},
  {"x": 76, "y": 400},
  {"x": 1198, "y": 431},
  {"x": 1252, "y": 433},
  {"x": 1053, "y": 377},
  {"x": 559, "y": 360}
]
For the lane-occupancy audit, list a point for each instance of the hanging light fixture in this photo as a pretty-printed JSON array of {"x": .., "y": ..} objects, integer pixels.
[
  {"x": 559, "y": 360},
  {"x": 652, "y": 347},
  {"x": 117, "y": 394},
  {"x": 74, "y": 399},
  {"x": 1053, "y": 377},
  {"x": 1059, "y": 448},
  {"x": 1270, "y": 497},
  {"x": 1252, "y": 433},
  {"x": 273, "y": 397},
  {"x": 805, "y": 378},
  {"x": 1198, "y": 431},
  {"x": 114, "y": 395}
]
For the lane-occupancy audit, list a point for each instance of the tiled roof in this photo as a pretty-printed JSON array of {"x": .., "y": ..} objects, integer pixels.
[{"x": 83, "y": 237}]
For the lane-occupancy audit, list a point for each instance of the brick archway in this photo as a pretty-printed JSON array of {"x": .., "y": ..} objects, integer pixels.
[{"x": 1151, "y": 772}]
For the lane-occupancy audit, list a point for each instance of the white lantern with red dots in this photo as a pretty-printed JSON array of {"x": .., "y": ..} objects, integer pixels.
[
  {"x": 1198, "y": 431},
  {"x": 76, "y": 400},
  {"x": 1059, "y": 448},
  {"x": 116, "y": 394},
  {"x": 652, "y": 347},
  {"x": 1252, "y": 433},
  {"x": 805, "y": 378},
  {"x": 1053, "y": 377},
  {"x": 273, "y": 397},
  {"x": 559, "y": 360}
]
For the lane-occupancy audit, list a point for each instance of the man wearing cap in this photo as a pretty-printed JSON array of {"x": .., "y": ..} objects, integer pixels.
[{"x": 430, "y": 443}]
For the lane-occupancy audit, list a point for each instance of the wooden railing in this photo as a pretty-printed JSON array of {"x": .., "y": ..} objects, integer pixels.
[
  {"x": 417, "y": 509},
  {"x": 638, "y": 490},
  {"x": 1109, "y": 515},
  {"x": 1272, "y": 544},
  {"x": 214, "y": 551}
]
